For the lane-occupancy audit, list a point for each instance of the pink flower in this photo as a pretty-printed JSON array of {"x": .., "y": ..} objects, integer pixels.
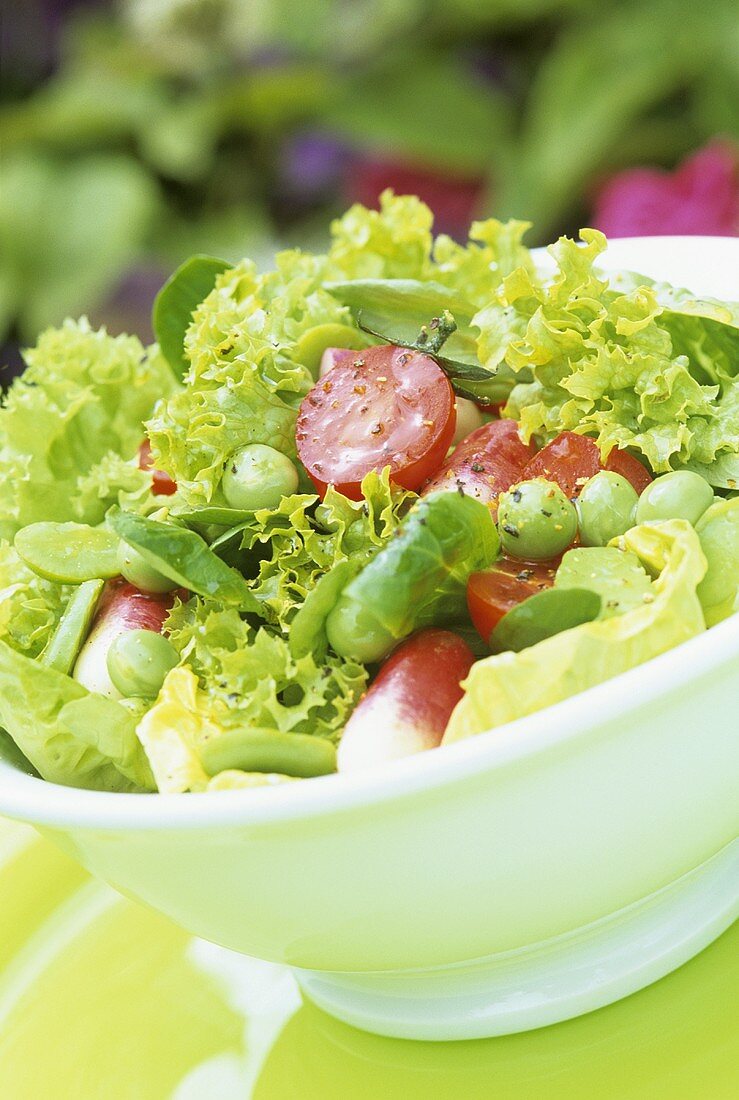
[{"x": 700, "y": 197}]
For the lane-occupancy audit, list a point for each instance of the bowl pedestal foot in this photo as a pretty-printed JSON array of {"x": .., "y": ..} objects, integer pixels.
[{"x": 547, "y": 982}]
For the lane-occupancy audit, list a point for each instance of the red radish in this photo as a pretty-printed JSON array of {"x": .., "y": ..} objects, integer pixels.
[
  {"x": 161, "y": 484},
  {"x": 469, "y": 418},
  {"x": 122, "y": 608},
  {"x": 407, "y": 708},
  {"x": 484, "y": 464},
  {"x": 332, "y": 357}
]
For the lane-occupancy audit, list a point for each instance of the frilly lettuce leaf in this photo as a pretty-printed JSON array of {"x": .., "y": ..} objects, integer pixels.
[
  {"x": 508, "y": 686},
  {"x": 620, "y": 366},
  {"x": 69, "y": 735},
  {"x": 307, "y": 540},
  {"x": 83, "y": 395},
  {"x": 247, "y": 378},
  {"x": 30, "y": 607},
  {"x": 234, "y": 677},
  {"x": 244, "y": 385}
]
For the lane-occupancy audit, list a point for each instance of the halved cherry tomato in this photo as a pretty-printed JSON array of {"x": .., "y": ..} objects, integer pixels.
[
  {"x": 572, "y": 459},
  {"x": 407, "y": 708},
  {"x": 486, "y": 463},
  {"x": 161, "y": 484},
  {"x": 388, "y": 407},
  {"x": 492, "y": 593}
]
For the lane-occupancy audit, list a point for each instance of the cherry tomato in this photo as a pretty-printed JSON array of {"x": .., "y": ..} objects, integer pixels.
[
  {"x": 621, "y": 462},
  {"x": 492, "y": 593},
  {"x": 388, "y": 407},
  {"x": 572, "y": 459},
  {"x": 161, "y": 484},
  {"x": 486, "y": 463},
  {"x": 410, "y": 702}
]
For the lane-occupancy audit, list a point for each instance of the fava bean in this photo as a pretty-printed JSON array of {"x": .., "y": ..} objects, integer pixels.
[
  {"x": 267, "y": 750},
  {"x": 138, "y": 572},
  {"x": 73, "y": 627},
  {"x": 138, "y": 662},
  {"x": 69, "y": 553},
  {"x": 605, "y": 508},
  {"x": 258, "y": 476},
  {"x": 681, "y": 494},
  {"x": 536, "y": 520}
]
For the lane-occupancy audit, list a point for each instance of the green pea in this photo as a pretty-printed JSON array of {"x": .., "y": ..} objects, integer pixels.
[
  {"x": 536, "y": 520},
  {"x": 137, "y": 571},
  {"x": 258, "y": 476},
  {"x": 138, "y": 662},
  {"x": 681, "y": 494},
  {"x": 353, "y": 632},
  {"x": 605, "y": 508}
]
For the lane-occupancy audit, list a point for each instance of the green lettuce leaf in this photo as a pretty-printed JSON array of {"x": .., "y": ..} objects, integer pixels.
[
  {"x": 508, "y": 686},
  {"x": 608, "y": 363},
  {"x": 418, "y": 579},
  {"x": 84, "y": 394},
  {"x": 30, "y": 607},
  {"x": 235, "y": 678},
  {"x": 246, "y": 346},
  {"x": 69, "y": 735}
]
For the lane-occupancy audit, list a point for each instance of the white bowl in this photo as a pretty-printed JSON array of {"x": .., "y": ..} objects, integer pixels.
[{"x": 524, "y": 876}]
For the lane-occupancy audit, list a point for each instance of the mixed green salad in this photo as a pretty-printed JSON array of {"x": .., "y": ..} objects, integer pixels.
[{"x": 356, "y": 506}]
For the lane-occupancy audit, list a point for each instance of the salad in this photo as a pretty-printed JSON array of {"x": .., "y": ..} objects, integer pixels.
[{"x": 357, "y": 506}]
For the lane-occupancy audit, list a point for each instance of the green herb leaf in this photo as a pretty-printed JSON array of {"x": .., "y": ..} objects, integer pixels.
[
  {"x": 175, "y": 303},
  {"x": 185, "y": 558},
  {"x": 544, "y": 615}
]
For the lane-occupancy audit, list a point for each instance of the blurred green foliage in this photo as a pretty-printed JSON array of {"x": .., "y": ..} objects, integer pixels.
[{"x": 224, "y": 126}]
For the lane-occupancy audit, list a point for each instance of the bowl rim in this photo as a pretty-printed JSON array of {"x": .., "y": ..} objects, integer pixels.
[{"x": 52, "y": 805}]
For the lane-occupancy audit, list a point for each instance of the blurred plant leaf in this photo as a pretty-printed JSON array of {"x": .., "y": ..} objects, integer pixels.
[
  {"x": 430, "y": 109},
  {"x": 67, "y": 231},
  {"x": 597, "y": 79},
  {"x": 173, "y": 308}
]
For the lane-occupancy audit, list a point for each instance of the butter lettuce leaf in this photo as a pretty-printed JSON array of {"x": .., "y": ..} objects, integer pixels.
[
  {"x": 508, "y": 686},
  {"x": 83, "y": 395},
  {"x": 69, "y": 735}
]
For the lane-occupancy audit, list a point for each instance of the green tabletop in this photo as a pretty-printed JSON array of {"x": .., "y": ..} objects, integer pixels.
[{"x": 100, "y": 998}]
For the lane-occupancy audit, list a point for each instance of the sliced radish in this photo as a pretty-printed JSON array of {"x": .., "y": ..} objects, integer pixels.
[
  {"x": 332, "y": 357},
  {"x": 122, "y": 608},
  {"x": 407, "y": 708}
]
